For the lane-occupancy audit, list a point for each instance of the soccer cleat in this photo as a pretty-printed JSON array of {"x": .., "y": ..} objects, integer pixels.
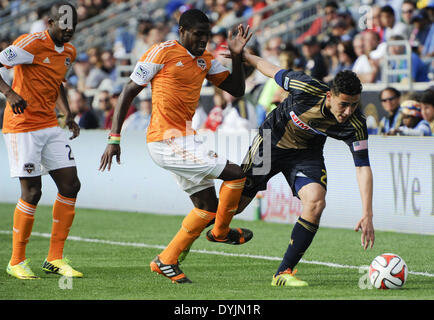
[
  {"x": 170, "y": 271},
  {"x": 184, "y": 254},
  {"x": 287, "y": 279},
  {"x": 21, "y": 271},
  {"x": 62, "y": 267},
  {"x": 235, "y": 236}
]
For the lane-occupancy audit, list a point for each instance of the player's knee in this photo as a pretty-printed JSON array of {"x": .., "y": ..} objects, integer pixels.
[
  {"x": 31, "y": 195},
  {"x": 209, "y": 205},
  {"x": 316, "y": 207},
  {"x": 71, "y": 189}
]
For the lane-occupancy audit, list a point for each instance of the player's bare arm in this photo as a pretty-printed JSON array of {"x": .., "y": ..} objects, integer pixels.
[
  {"x": 266, "y": 68},
  {"x": 365, "y": 224},
  {"x": 18, "y": 104},
  {"x": 63, "y": 105},
  {"x": 129, "y": 92},
  {"x": 235, "y": 82}
]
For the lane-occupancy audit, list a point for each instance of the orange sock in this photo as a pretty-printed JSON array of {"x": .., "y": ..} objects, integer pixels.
[
  {"x": 229, "y": 198},
  {"x": 23, "y": 224},
  {"x": 192, "y": 225},
  {"x": 63, "y": 215}
]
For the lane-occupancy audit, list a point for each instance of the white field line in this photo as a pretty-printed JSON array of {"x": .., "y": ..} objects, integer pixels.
[{"x": 220, "y": 253}]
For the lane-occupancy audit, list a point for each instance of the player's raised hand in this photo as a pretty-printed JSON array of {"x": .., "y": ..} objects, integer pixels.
[
  {"x": 237, "y": 44},
  {"x": 18, "y": 104},
  {"x": 368, "y": 236},
  {"x": 73, "y": 127},
  {"x": 106, "y": 158}
]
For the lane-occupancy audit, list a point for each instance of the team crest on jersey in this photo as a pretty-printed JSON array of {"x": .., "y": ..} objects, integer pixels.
[
  {"x": 29, "y": 167},
  {"x": 10, "y": 54},
  {"x": 201, "y": 63},
  {"x": 68, "y": 61}
]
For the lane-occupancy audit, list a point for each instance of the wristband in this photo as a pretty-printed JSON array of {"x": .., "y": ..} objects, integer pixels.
[{"x": 114, "y": 138}]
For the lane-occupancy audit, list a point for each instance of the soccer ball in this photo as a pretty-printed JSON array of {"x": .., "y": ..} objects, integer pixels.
[{"x": 388, "y": 271}]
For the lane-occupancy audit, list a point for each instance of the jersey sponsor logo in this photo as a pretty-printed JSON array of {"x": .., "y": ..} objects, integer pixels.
[
  {"x": 201, "y": 63},
  {"x": 286, "y": 83},
  {"x": 360, "y": 145},
  {"x": 303, "y": 125},
  {"x": 142, "y": 72},
  {"x": 29, "y": 167},
  {"x": 10, "y": 54}
]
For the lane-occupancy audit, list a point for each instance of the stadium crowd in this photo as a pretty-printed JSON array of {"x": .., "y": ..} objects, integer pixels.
[{"x": 339, "y": 38}]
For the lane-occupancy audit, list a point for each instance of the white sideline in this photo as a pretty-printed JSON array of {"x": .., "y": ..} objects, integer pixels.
[{"x": 240, "y": 255}]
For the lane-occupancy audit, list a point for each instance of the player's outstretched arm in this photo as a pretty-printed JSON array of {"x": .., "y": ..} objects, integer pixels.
[
  {"x": 265, "y": 67},
  {"x": 129, "y": 92},
  {"x": 63, "y": 105},
  {"x": 17, "y": 103},
  {"x": 365, "y": 224}
]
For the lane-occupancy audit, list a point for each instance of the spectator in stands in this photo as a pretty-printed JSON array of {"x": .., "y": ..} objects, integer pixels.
[
  {"x": 102, "y": 106},
  {"x": 315, "y": 64},
  {"x": 364, "y": 67},
  {"x": 81, "y": 69},
  {"x": 373, "y": 20},
  {"x": 106, "y": 70},
  {"x": 346, "y": 55},
  {"x": 421, "y": 28},
  {"x": 148, "y": 35},
  {"x": 84, "y": 115},
  {"x": 412, "y": 121},
  {"x": 339, "y": 28},
  {"x": 330, "y": 53},
  {"x": 426, "y": 101},
  {"x": 238, "y": 114},
  {"x": 408, "y": 7},
  {"x": 389, "y": 24},
  {"x": 41, "y": 24},
  {"x": 389, "y": 98},
  {"x": 114, "y": 97},
  {"x": 321, "y": 26},
  {"x": 419, "y": 72},
  {"x": 139, "y": 121}
]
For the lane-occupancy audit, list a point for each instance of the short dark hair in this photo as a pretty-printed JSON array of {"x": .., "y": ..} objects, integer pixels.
[
  {"x": 331, "y": 3},
  {"x": 395, "y": 91},
  {"x": 346, "y": 82},
  {"x": 387, "y": 9},
  {"x": 191, "y": 17},
  {"x": 427, "y": 96}
]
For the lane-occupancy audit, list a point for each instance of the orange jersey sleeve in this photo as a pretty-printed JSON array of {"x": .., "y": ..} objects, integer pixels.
[{"x": 39, "y": 69}]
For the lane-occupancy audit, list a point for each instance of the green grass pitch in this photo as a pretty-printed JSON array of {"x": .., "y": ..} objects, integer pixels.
[{"x": 113, "y": 250}]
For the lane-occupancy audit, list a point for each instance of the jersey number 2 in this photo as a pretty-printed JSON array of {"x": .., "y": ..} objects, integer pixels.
[{"x": 70, "y": 157}]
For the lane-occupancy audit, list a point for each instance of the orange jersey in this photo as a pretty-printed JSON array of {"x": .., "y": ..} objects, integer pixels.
[
  {"x": 176, "y": 78},
  {"x": 40, "y": 69}
]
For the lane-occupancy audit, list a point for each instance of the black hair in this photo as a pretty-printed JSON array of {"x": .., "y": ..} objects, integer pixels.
[
  {"x": 387, "y": 9},
  {"x": 331, "y": 4},
  {"x": 395, "y": 91},
  {"x": 192, "y": 17},
  {"x": 346, "y": 82},
  {"x": 427, "y": 96}
]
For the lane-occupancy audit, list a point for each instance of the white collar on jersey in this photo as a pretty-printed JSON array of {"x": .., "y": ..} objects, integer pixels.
[{"x": 59, "y": 49}]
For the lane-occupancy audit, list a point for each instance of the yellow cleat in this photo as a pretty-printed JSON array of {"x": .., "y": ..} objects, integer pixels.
[
  {"x": 62, "y": 267},
  {"x": 287, "y": 278},
  {"x": 21, "y": 271}
]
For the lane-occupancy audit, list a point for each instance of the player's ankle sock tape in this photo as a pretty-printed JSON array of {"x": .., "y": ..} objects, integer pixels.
[{"x": 301, "y": 238}]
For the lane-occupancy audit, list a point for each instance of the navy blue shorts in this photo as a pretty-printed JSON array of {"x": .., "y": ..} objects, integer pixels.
[{"x": 299, "y": 166}]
